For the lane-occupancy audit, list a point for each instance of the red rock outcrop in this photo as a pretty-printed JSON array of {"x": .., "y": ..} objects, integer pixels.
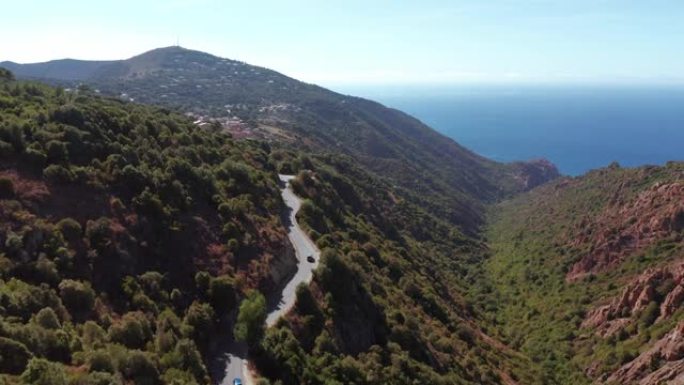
[
  {"x": 673, "y": 301},
  {"x": 663, "y": 363},
  {"x": 623, "y": 228},
  {"x": 664, "y": 285}
]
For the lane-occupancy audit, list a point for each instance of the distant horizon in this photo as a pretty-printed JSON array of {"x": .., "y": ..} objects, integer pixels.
[{"x": 576, "y": 128}]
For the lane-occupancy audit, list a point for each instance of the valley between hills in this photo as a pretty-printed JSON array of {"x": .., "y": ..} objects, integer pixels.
[{"x": 142, "y": 234}]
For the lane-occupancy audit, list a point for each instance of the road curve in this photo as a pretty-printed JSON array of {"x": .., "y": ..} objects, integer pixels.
[
  {"x": 279, "y": 303},
  {"x": 304, "y": 247}
]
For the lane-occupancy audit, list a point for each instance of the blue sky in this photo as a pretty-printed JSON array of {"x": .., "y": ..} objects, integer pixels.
[{"x": 373, "y": 41}]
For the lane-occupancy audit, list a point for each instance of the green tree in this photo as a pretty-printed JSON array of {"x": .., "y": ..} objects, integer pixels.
[
  {"x": 13, "y": 356},
  {"x": 251, "y": 318},
  {"x": 185, "y": 356},
  {"x": 6, "y": 75},
  {"x": 200, "y": 319},
  {"x": 222, "y": 294},
  {"x": 133, "y": 331},
  {"x": 57, "y": 151},
  {"x": 649, "y": 314},
  {"x": 47, "y": 318},
  {"x": 77, "y": 296},
  {"x": 140, "y": 368},
  {"x": 101, "y": 361},
  {"x": 58, "y": 174},
  {"x": 43, "y": 372},
  {"x": 175, "y": 376},
  {"x": 93, "y": 336},
  {"x": 70, "y": 228}
]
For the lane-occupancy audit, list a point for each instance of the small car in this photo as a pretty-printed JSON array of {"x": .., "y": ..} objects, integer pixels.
[
  {"x": 310, "y": 259},
  {"x": 237, "y": 381}
]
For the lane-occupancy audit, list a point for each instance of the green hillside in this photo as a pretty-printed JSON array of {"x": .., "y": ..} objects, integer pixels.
[
  {"x": 100, "y": 285},
  {"x": 97, "y": 282}
]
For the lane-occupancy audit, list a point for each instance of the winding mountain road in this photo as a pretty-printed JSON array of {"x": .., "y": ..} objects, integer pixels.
[{"x": 281, "y": 303}]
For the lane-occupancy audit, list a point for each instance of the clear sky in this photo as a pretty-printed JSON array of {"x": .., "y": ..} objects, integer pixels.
[{"x": 372, "y": 41}]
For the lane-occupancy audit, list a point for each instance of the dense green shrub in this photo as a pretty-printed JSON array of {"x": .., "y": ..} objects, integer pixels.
[
  {"x": 140, "y": 368},
  {"x": 58, "y": 174},
  {"x": 98, "y": 378},
  {"x": 48, "y": 319},
  {"x": 70, "y": 228},
  {"x": 202, "y": 281},
  {"x": 222, "y": 294},
  {"x": 101, "y": 361},
  {"x": 57, "y": 151},
  {"x": 77, "y": 296},
  {"x": 251, "y": 317},
  {"x": 650, "y": 314},
  {"x": 14, "y": 356},
  {"x": 132, "y": 331},
  {"x": 6, "y": 149},
  {"x": 98, "y": 233},
  {"x": 93, "y": 335},
  {"x": 175, "y": 376},
  {"x": 186, "y": 357},
  {"x": 43, "y": 372},
  {"x": 200, "y": 319}
]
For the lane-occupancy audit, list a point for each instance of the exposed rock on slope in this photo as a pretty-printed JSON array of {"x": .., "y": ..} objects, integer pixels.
[
  {"x": 662, "y": 363},
  {"x": 624, "y": 228},
  {"x": 535, "y": 172},
  {"x": 664, "y": 286}
]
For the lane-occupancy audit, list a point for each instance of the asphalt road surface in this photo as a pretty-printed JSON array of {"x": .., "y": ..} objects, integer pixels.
[{"x": 236, "y": 356}]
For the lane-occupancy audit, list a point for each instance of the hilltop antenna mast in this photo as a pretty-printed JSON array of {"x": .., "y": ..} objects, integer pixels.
[{"x": 177, "y": 41}]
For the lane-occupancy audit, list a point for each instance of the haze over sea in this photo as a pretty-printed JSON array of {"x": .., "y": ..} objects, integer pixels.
[{"x": 576, "y": 127}]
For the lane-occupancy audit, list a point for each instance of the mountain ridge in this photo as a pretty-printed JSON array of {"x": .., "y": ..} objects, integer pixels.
[{"x": 273, "y": 106}]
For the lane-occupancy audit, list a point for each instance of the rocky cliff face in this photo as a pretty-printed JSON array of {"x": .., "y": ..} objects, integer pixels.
[
  {"x": 628, "y": 227},
  {"x": 535, "y": 172},
  {"x": 663, "y": 363},
  {"x": 663, "y": 286},
  {"x": 658, "y": 292},
  {"x": 282, "y": 266}
]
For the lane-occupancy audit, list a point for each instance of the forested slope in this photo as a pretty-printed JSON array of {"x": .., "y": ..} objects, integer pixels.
[
  {"x": 129, "y": 233},
  {"x": 126, "y": 233}
]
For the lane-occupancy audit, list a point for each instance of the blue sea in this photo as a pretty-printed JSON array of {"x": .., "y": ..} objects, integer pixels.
[{"x": 576, "y": 127}]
